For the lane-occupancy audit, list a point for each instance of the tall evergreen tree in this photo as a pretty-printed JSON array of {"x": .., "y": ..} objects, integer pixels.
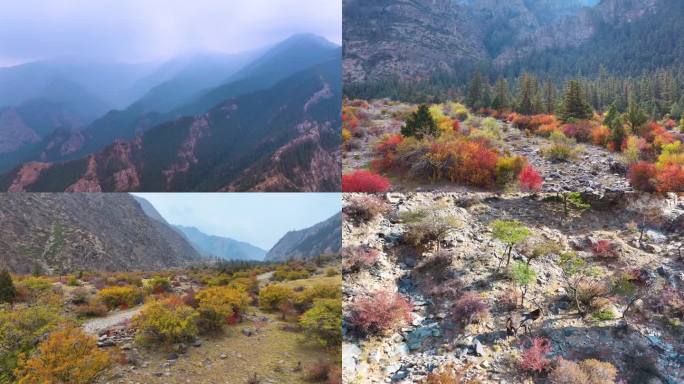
[
  {"x": 526, "y": 95},
  {"x": 614, "y": 122},
  {"x": 635, "y": 116},
  {"x": 420, "y": 124},
  {"x": 475, "y": 90},
  {"x": 501, "y": 95},
  {"x": 7, "y": 291},
  {"x": 575, "y": 105},
  {"x": 549, "y": 97}
]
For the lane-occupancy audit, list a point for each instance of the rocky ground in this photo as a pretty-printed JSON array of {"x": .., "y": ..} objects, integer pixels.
[
  {"x": 644, "y": 348},
  {"x": 594, "y": 168}
]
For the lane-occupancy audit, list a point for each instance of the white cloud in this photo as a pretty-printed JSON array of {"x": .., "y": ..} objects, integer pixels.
[{"x": 137, "y": 30}]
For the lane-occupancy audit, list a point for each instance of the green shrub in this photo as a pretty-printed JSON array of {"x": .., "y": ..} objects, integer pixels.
[
  {"x": 120, "y": 297},
  {"x": 73, "y": 281},
  {"x": 324, "y": 321},
  {"x": 7, "y": 290},
  {"x": 271, "y": 296},
  {"x": 166, "y": 322},
  {"x": 562, "y": 148},
  {"x": 604, "y": 315}
]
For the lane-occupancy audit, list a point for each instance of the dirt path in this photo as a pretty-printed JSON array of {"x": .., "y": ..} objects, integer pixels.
[
  {"x": 95, "y": 326},
  {"x": 264, "y": 278}
]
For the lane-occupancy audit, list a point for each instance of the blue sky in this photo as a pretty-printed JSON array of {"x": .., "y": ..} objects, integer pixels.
[
  {"x": 257, "y": 218},
  {"x": 148, "y": 30}
]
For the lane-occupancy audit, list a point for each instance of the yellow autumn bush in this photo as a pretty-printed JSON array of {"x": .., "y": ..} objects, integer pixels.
[
  {"x": 271, "y": 296},
  {"x": 217, "y": 305},
  {"x": 67, "y": 356},
  {"x": 120, "y": 297},
  {"x": 166, "y": 321}
]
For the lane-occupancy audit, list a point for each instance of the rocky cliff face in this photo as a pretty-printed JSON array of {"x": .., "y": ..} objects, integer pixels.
[
  {"x": 576, "y": 29},
  {"x": 324, "y": 237},
  {"x": 407, "y": 38},
  {"x": 61, "y": 233},
  {"x": 412, "y": 39}
]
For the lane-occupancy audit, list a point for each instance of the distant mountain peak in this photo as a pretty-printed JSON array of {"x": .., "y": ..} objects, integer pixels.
[{"x": 220, "y": 247}]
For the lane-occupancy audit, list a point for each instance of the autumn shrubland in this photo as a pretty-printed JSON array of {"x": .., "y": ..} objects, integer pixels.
[{"x": 50, "y": 325}]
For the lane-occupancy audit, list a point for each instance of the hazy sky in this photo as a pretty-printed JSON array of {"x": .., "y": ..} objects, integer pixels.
[
  {"x": 257, "y": 218},
  {"x": 142, "y": 30}
]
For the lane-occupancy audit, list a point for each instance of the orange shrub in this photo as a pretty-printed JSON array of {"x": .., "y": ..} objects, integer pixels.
[
  {"x": 600, "y": 135},
  {"x": 465, "y": 161},
  {"x": 67, "y": 356}
]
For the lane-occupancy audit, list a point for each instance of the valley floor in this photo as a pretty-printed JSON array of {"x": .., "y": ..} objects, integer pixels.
[{"x": 273, "y": 353}]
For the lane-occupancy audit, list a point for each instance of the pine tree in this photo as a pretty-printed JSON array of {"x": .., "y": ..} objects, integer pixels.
[
  {"x": 549, "y": 97},
  {"x": 575, "y": 105},
  {"x": 635, "y": 116},
  {"x": 526, "y": 95},
  {"x": 7, "y": 291},
  {"x": 474, "y": 97},
  {"x": 420, "y": 124},
  {"x": 501, "y": 95}
]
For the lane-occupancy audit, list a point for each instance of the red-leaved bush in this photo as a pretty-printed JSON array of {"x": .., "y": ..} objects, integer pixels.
[
  {"x": 529, "y": 179},
  {"x": 470, "y": 307},
  {"x": 671, "y": 178},
  {"x": 642, "y": 176},
  {"x": 355, "y": 258},
  {"x": 362, "y": 208},
  {"x": 379, "y": 312},
  {"x": 580, "y": 131},
  {"x": 386, "y": 152},
  {"x": 534, "y": 359},
  {"x": 604, "y": 248},
  {"x": 364, "y": 181}
]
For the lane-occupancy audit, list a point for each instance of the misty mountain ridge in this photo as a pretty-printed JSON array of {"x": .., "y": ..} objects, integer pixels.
[
  {"x": 219, "y": 246},
  {"x": 260, "y": 71},
  {"x": 285, "y": 138}
]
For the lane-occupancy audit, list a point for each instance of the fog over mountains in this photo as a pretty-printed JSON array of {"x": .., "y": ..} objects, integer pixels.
[{"x": 267, "y": 119}]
